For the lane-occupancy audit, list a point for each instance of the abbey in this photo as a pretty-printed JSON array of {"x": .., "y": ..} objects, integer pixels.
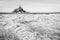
[{"x": 19, "y": 10}]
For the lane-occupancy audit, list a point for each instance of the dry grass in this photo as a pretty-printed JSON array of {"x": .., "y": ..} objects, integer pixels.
[{"x": 28, "y": 25}]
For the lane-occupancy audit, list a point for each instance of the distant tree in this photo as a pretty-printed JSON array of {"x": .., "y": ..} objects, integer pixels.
[{"x": 19, "y": 9}]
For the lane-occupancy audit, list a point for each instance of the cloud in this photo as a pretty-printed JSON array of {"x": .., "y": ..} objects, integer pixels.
[
  {"x": 43, "y": 1},
  {"x": 8, "y": 5},
  {"x": 30, "y": 5},
  {"x": 6, "y": 0}
]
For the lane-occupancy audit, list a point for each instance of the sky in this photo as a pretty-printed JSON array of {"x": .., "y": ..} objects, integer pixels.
[{"x": 30, "y": 5}]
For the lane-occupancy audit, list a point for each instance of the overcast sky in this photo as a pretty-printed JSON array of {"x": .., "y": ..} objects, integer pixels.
[{"x": 30, "y": 5}]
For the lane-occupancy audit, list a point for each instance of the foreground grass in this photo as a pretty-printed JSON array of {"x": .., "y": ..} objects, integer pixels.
[{"x": 30, "y": 26}]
